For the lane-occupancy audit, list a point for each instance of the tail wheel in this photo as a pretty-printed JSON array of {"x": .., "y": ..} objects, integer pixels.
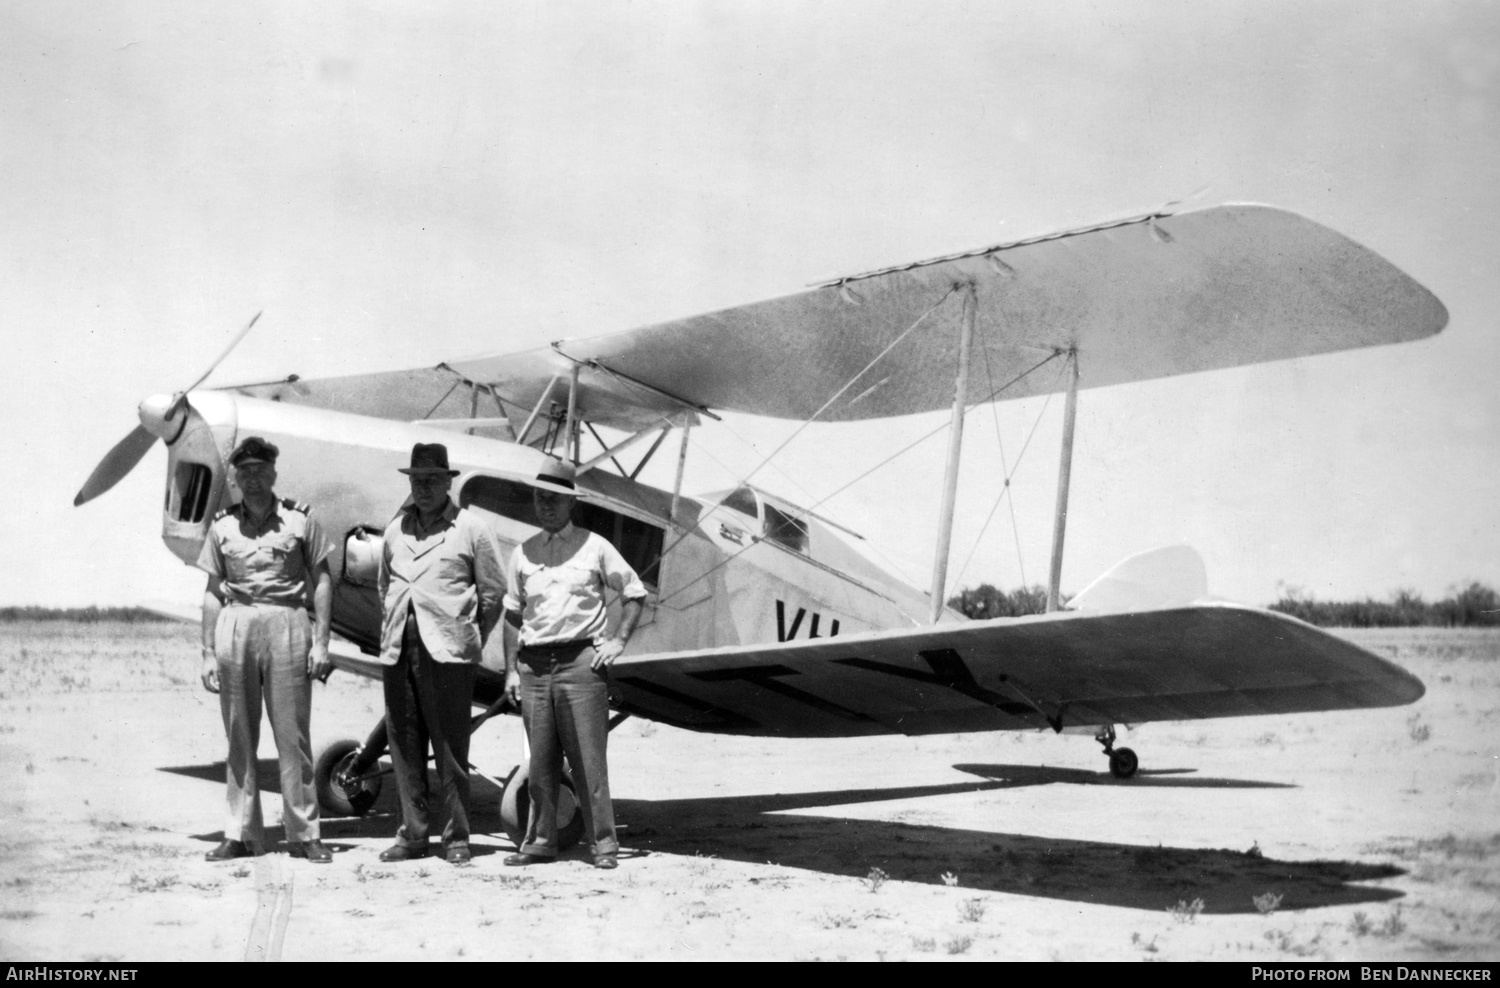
[
  {"x": 515, "y": 809},
  {"x": 1123, "y": 763},
  {"x": 340, "y": 794}
]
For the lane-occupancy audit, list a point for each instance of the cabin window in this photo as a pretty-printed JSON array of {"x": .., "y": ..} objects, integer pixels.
[
  {"x": 187, "y": 498},
  {"x": 638, "y": 541},
  {"x": 785, "y": 530},
  {"x": 742, "y": 499},
  {"x": 503, "y": 497}
]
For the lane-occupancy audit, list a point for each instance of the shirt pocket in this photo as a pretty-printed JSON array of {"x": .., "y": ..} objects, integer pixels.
[
  {"x": 569, "y": 586},
  {"x": 283, "y": 554},
  {"x": 239, "y": 559}
]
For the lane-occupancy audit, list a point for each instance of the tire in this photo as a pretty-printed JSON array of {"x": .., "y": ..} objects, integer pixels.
[
  {"x": 336, "y": 795},
  {"x": 515, "y": 808},
  {"x": 1123, "y": 763}
]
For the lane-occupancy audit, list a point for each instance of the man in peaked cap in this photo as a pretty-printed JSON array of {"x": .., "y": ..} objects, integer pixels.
[
  {"x": 267, "y": 563},
  {"x": 441, "y": 587},
  {"x": 557, "y": 658}
]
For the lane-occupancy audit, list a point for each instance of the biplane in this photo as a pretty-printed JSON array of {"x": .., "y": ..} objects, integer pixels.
[{"x": 762, "y": 619}]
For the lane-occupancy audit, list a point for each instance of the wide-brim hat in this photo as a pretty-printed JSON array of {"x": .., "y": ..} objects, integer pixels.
[
  {"x": 429, "y": 458},
  {"x": 555, "y": 476}
]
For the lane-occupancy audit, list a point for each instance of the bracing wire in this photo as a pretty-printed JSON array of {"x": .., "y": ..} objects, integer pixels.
[
  {"x": 1004, "y": 490},
  {"x": 823, "y": 408},
  {"x": 1010, "y": 505},
  {"x": 804, "y": 511}
]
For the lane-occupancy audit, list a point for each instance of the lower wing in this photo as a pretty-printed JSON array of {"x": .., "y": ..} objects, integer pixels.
[{"x": 1067, "y": 669}]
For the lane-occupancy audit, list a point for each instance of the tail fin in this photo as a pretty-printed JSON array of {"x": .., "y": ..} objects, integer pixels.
[{"x": 1167, "y": 577}]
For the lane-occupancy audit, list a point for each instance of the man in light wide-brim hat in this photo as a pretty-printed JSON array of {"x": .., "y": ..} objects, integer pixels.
[
  {"x": 441, "y": 587},
  {"x": 557, "y": 657}
]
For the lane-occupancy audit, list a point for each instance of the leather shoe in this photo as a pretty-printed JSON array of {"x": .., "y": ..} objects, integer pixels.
[
  {"x": 523, "y": 859},
  {"x": 229, "y": 850},
  {"x": 456, "y": 854},
  {"x": 312, "y": 850},
  {"x": 606, "y": 861},
  {"x": 403, "y": 852}
]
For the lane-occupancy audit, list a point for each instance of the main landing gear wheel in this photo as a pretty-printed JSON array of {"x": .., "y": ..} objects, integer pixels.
[
  {"x": 515, "y": 809},
  {"x": 340, "y": 793},
  {"x": 1123, "y": 763}
]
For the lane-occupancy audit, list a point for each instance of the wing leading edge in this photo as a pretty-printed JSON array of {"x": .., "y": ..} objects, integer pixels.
[
  {"x": 1058, "y": 670},
  {"x": 1137, "y": 299}
]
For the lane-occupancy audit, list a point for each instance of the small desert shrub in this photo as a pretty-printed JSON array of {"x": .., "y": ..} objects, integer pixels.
[
  {"x": 1266, "y": 903},
  {"x": 1184, "y": 911}
]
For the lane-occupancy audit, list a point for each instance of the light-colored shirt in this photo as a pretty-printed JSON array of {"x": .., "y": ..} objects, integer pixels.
[
  {"x": 449, "y": 574},
  {"x": 270, "y": 562},
  {"x": 556, "y": 582}
]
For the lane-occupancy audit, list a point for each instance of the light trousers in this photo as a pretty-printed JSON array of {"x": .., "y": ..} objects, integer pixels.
[
  {"x": 262, "y": 653},
  {"x": 565, "y": 705}
]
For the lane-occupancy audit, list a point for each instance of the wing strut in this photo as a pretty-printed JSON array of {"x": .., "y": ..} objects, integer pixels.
[
  {"x": 540, "y": 404},
  {"x": 687, "y": 427},
  {"x": 955, "y": 446},
  {"x": 1064, "y": 474},
  {"x": 610, "y": 452},
  {"x": 570, "y": 433}
]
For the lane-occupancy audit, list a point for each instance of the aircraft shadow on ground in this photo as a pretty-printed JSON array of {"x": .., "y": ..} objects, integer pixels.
[
  {"x": 1012, "y": 776},
  {"x": 751, "y": 828},
  {"x": 757, "y": 829}
]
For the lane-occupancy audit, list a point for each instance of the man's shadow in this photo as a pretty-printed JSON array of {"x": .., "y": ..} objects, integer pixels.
[{"x": 381, "y": 820}]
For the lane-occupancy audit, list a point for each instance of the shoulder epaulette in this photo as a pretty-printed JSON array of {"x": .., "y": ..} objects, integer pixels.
[
  {"x": 288, "y": 503},
  {"x": 233, "y": 509}
]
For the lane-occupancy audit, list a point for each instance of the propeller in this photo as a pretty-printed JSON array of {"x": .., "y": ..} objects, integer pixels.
[
  {"x": 120, "y": 460},
  {"x": 116, "y": 464}
]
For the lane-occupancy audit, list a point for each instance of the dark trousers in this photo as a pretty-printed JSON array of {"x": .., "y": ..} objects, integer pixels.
[
  {"x": 428, "y": 701},
  {"x": 566, "y": 708}
]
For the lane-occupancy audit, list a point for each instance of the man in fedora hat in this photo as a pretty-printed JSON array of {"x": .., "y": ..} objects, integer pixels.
[
  {"x": 557, "y": 657},
  {"x": 267, "y": 563},
  {"x": 441, "y": 586}
]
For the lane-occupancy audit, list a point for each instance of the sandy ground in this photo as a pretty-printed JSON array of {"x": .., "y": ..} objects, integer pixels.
[{"x": 1366, "y": 835}]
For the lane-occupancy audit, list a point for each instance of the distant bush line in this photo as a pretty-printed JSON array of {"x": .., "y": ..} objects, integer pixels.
[
  {"x": 88, "y": 615},
  {"x": 1474, "y": 605}
]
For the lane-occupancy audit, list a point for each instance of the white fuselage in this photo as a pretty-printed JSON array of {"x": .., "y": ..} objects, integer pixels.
[{"x": 726, "y": 574}]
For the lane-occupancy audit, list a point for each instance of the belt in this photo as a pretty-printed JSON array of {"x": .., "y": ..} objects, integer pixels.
[{"x": 576, "y": 643}]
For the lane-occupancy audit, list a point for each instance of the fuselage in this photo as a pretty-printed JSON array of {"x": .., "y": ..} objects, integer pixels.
[{"x": 736, "y": 568}]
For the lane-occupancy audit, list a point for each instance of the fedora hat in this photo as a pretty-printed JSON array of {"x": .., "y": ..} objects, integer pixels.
[
  {"x": 557, "y": 477},
  {"x": 429, "y": 458}
]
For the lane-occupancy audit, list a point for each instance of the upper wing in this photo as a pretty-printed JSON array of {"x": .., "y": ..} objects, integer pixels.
[
  {"x": 1059, "y": 670},
  {"x": 1141, "y": 298}
]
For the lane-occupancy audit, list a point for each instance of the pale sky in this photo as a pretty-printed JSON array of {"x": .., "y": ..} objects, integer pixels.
[{"x": 396, "y": 184}]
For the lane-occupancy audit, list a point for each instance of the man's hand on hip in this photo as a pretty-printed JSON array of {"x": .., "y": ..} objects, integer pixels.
[{"x": 606, "y": 653}]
